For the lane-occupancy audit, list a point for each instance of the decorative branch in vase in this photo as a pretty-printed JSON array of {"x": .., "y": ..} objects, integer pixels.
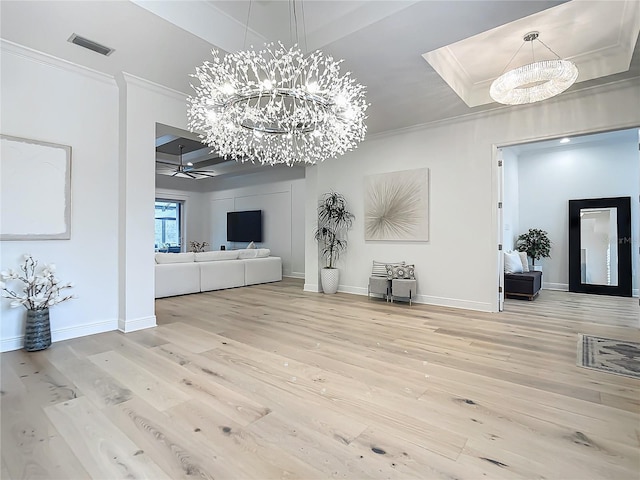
[
  {"x": 198, "y": 247},
  {"x": 41, "y": 290}
]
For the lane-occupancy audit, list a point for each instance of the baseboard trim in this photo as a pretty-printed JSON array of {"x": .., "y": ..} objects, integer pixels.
[
  {"x": 455, "y": 303},
  {"x": 16, "y": 343},
  {"x": 311, "y": 287},
  {"x": 352, "y": 290},
  {"x": 295, "y": 275},
  {"x": 428, "y": 300},
  {"x": 127, "y": 326}
]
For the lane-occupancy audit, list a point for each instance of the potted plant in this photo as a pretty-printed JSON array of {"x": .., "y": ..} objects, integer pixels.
[
  {"x": 333, "y": 222},
  {"x": 536, "y": 244},
  {"x": 41, "y": 290}
]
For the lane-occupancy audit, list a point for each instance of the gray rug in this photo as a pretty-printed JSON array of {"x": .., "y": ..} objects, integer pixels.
[{"x": 607, "y": 355}]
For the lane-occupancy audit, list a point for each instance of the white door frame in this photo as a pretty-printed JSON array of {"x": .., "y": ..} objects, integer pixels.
[
  {"x": 498, "y": 191},
  {"x": 500, "y": 200}
]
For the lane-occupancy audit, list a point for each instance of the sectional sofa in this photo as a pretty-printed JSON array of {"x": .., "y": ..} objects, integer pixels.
[{"x": 184, "y": 273}]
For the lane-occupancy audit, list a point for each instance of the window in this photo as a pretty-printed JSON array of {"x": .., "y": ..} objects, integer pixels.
[{"x": 168, "y": 225}]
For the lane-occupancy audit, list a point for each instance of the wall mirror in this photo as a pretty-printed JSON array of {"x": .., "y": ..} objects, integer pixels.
[{"x": 600, "y": 246}]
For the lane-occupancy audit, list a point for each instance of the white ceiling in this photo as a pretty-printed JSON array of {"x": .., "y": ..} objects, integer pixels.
[
  {"x": 381, "y": 42},
  {"x": 599, "y": 37}
]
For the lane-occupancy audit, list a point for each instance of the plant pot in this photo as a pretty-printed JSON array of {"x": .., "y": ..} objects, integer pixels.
[
  {"x": 37, "y": 332},
  {"x": 536, "y": 268},
  {"x": 329, "y": 278}
]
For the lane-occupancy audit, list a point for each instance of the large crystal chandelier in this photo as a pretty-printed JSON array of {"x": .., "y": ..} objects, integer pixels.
[
  {"x": 277, "y": 106},
  {"x": 536, "y": 81}
]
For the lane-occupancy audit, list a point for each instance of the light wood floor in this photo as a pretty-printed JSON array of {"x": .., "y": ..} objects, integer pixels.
[{"x": 271, "y": 382}]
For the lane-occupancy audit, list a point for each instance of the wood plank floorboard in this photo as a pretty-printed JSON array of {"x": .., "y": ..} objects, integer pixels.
[{"x": 271, "y": 382}]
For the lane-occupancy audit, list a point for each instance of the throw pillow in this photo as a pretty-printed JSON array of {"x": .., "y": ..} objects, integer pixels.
[
  {"x": 396, "y": 271},
  {"x": 380, "y": 268},
  {"x": 524, "y": 260},
  {"x": 216, "y": 255},
  {"x": 512, "y": 263},
  {"x": 251, "y": 245},
  {"x": 247, "y": 253},
  {"x": 410, "y": 272}
]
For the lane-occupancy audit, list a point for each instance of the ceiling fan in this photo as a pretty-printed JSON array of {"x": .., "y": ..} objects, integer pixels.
[{"x": 185, "y": 170}]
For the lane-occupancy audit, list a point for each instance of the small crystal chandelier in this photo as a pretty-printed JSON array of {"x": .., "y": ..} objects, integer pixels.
[
  {"x": 277, "y": 106},
  {"x": 536, "y": 81}
]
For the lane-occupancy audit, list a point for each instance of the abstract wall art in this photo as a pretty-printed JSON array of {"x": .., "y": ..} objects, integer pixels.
[{"x": 397, "y": 206}]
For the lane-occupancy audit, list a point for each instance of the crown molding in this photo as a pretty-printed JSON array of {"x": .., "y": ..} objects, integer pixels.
[
  {"x": 7, "y": 47},
  {"x": 500, "y": 109},
  {"x": 131, "y": 79}
]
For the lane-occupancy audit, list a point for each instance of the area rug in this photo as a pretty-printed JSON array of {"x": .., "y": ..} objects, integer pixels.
[{"x": 608, "y": 355}]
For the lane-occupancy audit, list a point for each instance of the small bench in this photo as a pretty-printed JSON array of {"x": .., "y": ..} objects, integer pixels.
[{"x": 525, "y": 284}]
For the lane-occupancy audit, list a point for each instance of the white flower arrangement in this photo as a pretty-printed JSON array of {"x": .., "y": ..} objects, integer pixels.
[{"x": 41, "y": 289}]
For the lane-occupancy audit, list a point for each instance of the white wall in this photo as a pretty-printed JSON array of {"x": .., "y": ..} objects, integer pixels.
[
  {"x": 280, "y": 194},
  {"x": 550, "y": 178},
  {"x": 459, "y": 266},
  {"x": 49, "y": 100}
]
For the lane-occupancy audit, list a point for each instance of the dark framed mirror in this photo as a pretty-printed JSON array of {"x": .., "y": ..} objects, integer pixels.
[{"x": 600, "y": 246}]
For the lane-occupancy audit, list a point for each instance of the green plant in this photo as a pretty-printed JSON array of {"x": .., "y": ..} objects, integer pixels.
[
  {"x": 333, "y": 222},
  {"x": 536, "y": 243}
]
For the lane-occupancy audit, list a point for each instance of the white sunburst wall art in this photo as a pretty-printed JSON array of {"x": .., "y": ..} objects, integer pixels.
[{"x": 397, "y": 206}]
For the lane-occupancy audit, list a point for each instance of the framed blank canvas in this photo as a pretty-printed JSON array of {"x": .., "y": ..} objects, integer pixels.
[{"x": 35, "y": 186}]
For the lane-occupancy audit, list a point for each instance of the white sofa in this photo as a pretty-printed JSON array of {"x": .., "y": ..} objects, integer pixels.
[{"x": 183, "y": 273}]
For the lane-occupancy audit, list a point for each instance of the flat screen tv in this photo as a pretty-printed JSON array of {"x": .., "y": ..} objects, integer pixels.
[{"x": 244, "y": 226}]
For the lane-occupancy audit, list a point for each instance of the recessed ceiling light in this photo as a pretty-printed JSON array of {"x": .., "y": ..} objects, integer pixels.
[
  {"x": 90, "y": 44},
  {"x": 565, "y": 140}
]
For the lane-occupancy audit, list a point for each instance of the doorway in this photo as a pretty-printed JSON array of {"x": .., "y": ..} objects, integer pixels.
[{"x": 538, "y": 179}]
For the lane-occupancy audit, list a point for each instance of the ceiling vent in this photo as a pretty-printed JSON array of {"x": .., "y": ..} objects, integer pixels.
[{"x": 91, "y": 45}]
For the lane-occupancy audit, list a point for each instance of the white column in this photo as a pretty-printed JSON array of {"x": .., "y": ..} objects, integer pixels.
[{"x": 142, "y": 105}]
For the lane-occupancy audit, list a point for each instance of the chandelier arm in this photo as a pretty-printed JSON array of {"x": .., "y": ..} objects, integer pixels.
[
  {"x": 549, "y": 48},
  {"x": 295, "y": 21},
  {"x": 514, "y": 56},
  {"x": 290, "y": 22},
  {"x": 246, "y": 30},
  {"x": 304, "y": 28},
  {"x": 533, "y": 55}
]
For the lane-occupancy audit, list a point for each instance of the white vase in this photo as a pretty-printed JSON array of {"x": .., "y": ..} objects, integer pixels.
[{"x": 329, "y": 278}]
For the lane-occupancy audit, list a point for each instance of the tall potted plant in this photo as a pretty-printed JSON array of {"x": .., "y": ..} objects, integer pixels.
[
  {"x": 333, "y": 222},
  {"x": 536, "y": 243}
]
